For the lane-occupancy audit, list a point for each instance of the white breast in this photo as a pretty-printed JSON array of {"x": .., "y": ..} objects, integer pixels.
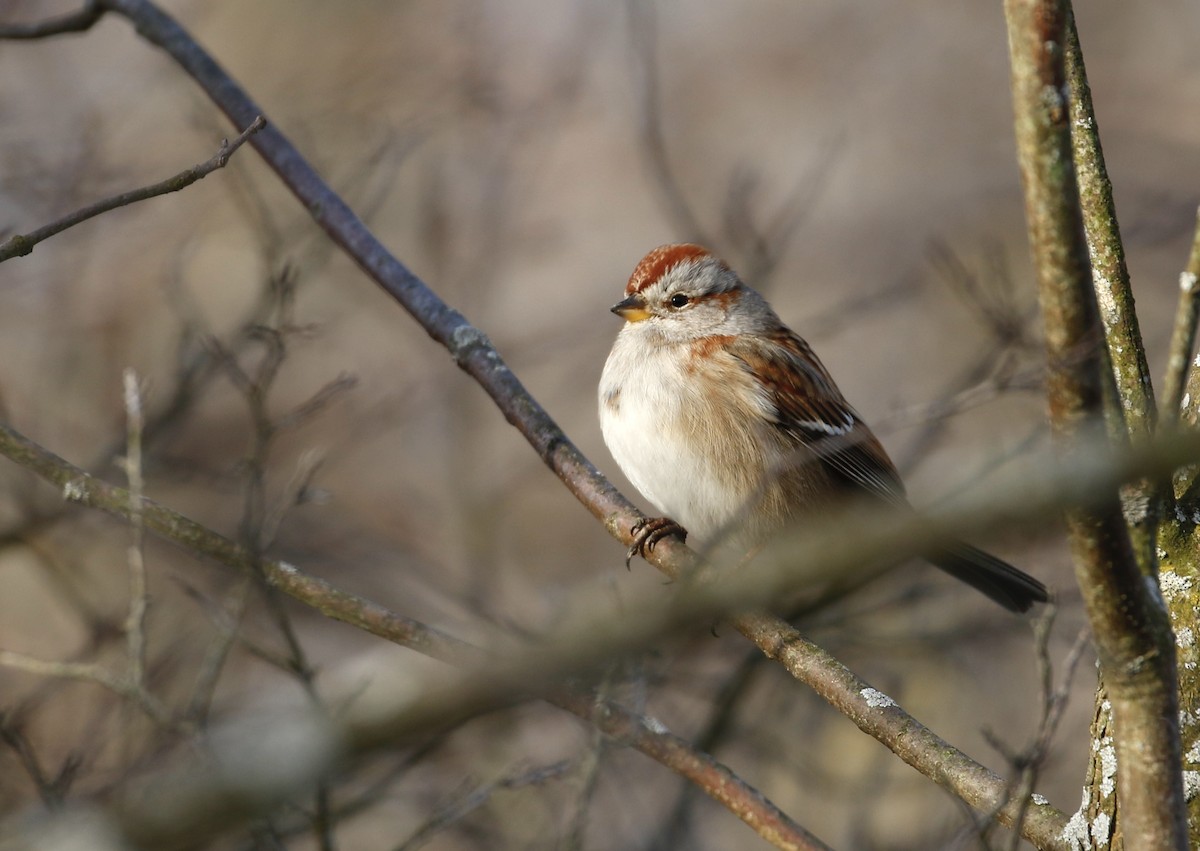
[{"x": 675, "y": 442}]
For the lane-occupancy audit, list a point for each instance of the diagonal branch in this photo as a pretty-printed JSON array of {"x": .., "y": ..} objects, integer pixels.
[
  {"x": 469, "y": 346},
  {"x": 19, "y": 245},
  {"x": 81, "y": 20}
]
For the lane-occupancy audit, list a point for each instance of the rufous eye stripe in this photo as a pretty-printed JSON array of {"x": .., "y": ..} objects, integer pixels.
[{"x": 661, "y": 260}]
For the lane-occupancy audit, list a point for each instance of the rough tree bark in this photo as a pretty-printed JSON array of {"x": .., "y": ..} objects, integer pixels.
[{"x": 1136, "y": 752}]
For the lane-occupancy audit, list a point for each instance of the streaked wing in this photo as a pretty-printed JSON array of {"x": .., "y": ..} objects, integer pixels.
[{"x": 815, "y": 418}]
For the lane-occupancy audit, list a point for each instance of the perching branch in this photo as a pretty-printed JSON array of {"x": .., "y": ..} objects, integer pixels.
[
  {"x": 21, "y": 244},
  {"x": 1133, "y": 636}
]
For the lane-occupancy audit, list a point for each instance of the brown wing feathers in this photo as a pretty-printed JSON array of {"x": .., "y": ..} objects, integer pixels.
[{"x": 813, "y": 414}]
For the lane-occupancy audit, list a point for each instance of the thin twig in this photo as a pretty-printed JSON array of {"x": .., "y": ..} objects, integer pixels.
[
  {"x": 1027, "y": 763},
  {"x": 135, "y": 622},
  {"x": 317, "y": 403},
  {"x": 260, "y": 520},
  {"x": 651, "y": 737},
  {"x": 299, "y": 484},
  {"x": 228, "y": 617},
  {"x": 80, "y": 20},
  {"x": 463, "y": 805},
  {"x": 91, "y": 673},
  {"x": 588, "y": 775},
  {"x": 51, "y": 790},
  {"x": 21, "y": 244},
  {"x": 1183, "y": 342},
  {"x": 764, "y": 247}
]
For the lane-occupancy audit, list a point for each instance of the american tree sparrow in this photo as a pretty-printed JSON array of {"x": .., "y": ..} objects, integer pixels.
[{"x": 725, "y": 420}]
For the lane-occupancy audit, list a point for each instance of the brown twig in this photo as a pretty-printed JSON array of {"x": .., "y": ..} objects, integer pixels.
[
  {"x": 1027, "y": 763},
  {"x": 19, "y": 245},
  {"x": 650, "y": 737},
  {"x": 226, "y": 617},
  {"x": 51, "y": 789},
  {"x": 1183, "y": 342},
  {"x": 261, "y": 520},
  {"x": 80, "y": 20},
  {"x": 1133, "y": 635},
  {"x": 87, "y": 672},
  {"x": 878, "y": 715},
  {"x": 477, "y": 796}
]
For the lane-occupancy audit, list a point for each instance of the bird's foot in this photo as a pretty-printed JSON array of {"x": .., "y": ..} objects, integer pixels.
[{"x": 648, "y": 532}]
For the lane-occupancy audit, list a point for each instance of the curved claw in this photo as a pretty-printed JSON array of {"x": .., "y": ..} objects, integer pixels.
[{"x": 649, "y": 531}]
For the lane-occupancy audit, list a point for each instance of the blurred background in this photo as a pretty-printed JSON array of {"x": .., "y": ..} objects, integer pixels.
[{"x": 855, "y": 162}]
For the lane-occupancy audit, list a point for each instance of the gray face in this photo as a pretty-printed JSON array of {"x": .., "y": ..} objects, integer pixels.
[{"x": 693, "y": 300}]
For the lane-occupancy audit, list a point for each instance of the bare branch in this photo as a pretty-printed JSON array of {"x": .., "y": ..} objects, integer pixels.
[
  {"x": 1026, "y": 764},
  {"x": 879, "y": 716},
  {"x": 80, "y": 20},
  {"x": 463, "y": 805},
  {"x": 651, "y": 737},
  {"x": 90, "y": 673},
  {"x": 468, "y": 345},
  {"x": 1132, "y": 631},
  {"x": 1183, "y": 342},
  {"x": 1110, "y": 276},
  {"x": 318, "y": 402},
  {"x": 51, "y": 789},
  {"x": 135, "y": 622},
  {"x": 227, "y": 616},
  {"x": 21, "y": 244}
]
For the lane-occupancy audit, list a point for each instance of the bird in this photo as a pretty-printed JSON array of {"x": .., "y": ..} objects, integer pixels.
[{"x": 724, "y": 419}]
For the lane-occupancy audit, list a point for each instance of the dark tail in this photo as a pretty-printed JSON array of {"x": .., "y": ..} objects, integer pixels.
[{"x": 1013, "y": 589}]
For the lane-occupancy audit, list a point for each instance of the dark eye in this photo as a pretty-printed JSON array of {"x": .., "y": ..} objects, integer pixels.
[{"x": 679, "y": 300}]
